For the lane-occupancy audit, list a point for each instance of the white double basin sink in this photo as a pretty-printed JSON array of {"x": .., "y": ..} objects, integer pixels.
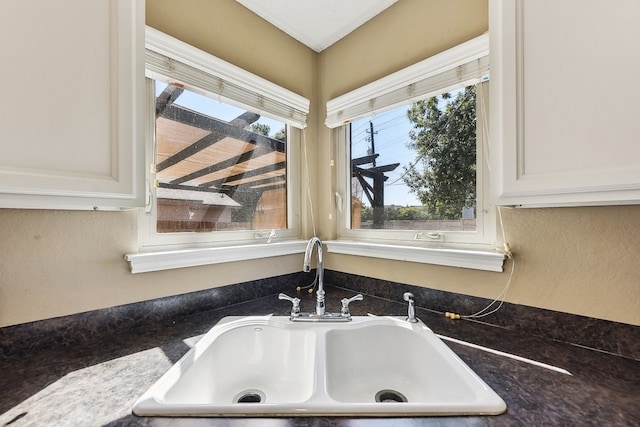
[{"x": 268, "y": 365}]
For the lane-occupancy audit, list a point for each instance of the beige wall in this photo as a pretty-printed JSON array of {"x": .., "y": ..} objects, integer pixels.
[
  {"x": 577, "y": 260},
  {"x": 55, "y": 263},
  {"x": 406, "y": 33}
]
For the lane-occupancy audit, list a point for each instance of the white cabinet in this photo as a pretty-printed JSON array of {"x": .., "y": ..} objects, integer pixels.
[
  {"x": 565, "y": 102},
  {"x": 72, "y": 104}
]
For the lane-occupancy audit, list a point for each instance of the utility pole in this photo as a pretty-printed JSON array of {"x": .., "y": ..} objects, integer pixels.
[{"x": 370, "y": 138}]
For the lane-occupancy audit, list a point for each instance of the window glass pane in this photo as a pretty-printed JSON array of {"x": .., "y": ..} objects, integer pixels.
[
  {"x": 218, "y": 167},
  {"x": 414, "y": 167}
]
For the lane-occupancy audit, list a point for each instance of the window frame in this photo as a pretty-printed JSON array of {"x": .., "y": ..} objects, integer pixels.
[
  {"x": 150, "y": 238},
  {"x": 482, "y": 237},
  {"x": 469, "y": 249},
  {"x": 158, "y": 251}
]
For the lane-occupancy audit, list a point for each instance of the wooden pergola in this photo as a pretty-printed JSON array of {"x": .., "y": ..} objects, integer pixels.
[
  {"x": 374, "y": 192},
  {"x": 202, "y": 155}
]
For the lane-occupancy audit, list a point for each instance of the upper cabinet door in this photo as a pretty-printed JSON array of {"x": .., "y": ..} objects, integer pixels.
[
  {"x": 565, "y": 104},
  {"x": 72, "y": 110}
]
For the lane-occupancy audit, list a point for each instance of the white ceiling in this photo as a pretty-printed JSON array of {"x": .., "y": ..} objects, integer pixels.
[{"x": 317, "y": 23}]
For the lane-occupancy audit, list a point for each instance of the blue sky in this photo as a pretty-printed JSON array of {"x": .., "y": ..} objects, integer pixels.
[
  {"x": 392, "y": 134},
  {"x": 391, "y": 127},
  {"x": 214, "y": 108}
]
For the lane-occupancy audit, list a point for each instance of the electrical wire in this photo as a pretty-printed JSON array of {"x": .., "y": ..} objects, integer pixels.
[
  {"x": 308, "y": 184},
  {"x": 485, "y": 127},
  {"x": 421, "y": 156},
  {"x": 501, "y": 297},
  {"x": 312, "y": 286},
  {"x": 490, "y": 309}
]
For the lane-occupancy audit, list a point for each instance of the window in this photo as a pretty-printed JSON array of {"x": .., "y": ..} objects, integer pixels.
[
  {"x": 413, "y": 169},
  {"x": 412, "y": 162},
  {"x": 217, "y": 167},
  {"x": 220, "y": 150}
]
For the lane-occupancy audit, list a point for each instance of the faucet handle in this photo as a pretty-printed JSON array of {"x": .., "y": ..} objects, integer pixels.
[
  {"x": 295, "y": 308},
  {"x": 344, "y": 312}
]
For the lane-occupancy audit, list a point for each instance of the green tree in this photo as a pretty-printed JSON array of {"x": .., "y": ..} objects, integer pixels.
[
  {"x": 390, "y": 213},
  {"x": 281, "y": 135},
  {"x": 366, "y": 214},
  {"x": 443, "y": 176},
  {"x": 260, "y": 128},
  {"x": 410, "y": 213}
]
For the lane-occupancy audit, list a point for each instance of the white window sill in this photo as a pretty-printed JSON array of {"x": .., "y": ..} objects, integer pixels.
[
  {"x": 170, "y": 259},
  {"x": 466, "y": 258}
]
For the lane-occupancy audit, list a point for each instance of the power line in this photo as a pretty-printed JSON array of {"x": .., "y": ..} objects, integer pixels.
[
  {"x": 372, "y": 140},
  {"x": 421, "y": 156}
]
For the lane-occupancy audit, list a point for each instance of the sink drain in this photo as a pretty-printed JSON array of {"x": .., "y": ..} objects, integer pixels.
[
  {"x": 249, "y": 396},
  {"x": 390, "y": 396}
]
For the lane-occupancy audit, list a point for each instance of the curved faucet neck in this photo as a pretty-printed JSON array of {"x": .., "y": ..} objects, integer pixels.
[{"x": 316, "y": 242}]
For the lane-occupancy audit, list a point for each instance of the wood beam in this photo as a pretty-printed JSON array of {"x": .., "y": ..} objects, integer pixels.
[
  {"x": 272, "y": 180},
  {"x": 383, "y": 169},
  {"x": 245, "y": 119},
  {"x": 247, "y": 174},
  {"x": 369, "y": 174},
  {"x": 230, "y": 162},
  {"x": 167, "y": 97},
  {"x": 219, "y": 130},
  {"x": 364, "y": 160},
  {"x": 187, "y": 187},
  {"x": 366, "y": 187},
  {"x": 235, "y": 191}
]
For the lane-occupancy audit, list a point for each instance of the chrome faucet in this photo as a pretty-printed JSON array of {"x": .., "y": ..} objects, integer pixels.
[
  {"x": 306, "y": 267},
  {"x": 320, "y": 315}
]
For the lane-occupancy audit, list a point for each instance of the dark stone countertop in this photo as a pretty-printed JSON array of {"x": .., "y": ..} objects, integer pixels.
[{"x": 96, "y": 383}]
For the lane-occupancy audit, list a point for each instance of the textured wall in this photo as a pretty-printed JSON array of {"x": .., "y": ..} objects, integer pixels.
[
  {"x": 575, "y": 260},
  {"x": 54, "y": 263},
  {"x": 229, "y": 31}
]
